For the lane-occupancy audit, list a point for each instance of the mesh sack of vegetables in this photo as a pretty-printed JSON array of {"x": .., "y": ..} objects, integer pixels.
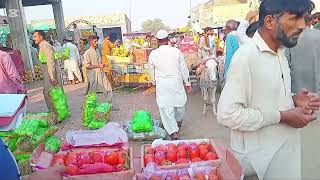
[
  {"x": 11, "y": 142},
  {"x": 53, "y": 144},
  {"x": 29, "y": 127},
  {"x": 141, "y": 121},
  {"x": 156, "y": 133},
  {"x": 89, "y": 106},
  {"x": 96, "y": 124},
  {"x": 24, "y": 144},
  {"x": 38, "y": 137},
  {"x": 24, "y": 166},
  {"x": 102, "y": 112},
  {"x": 60, "y": 103}
]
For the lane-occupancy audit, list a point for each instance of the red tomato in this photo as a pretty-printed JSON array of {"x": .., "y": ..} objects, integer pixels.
[
  {"x": 83, "y": 158},
  {"x": 171, "y": 156},
  {"x": 149, "y": 150},
  {"x": 213, "y": 175},
  {"x": 171, "y": 147},
  {"x": 159, "y": 158},
  {"x": 195, "y": 153},
  {"x": 181, "y": 153},
  {"x": 97, "y": 157},
  {"x": 148, "y": 158},
  {"x": 182, "y": 161},
  {"x": 72, "y": 170},
  {"x": 121, "y": 157},
  {"x": 96, "y": 168},
  {"x": 61, "y": 155},
  {"x": 161, "y": 148},
  {"x": 155, "y": 177},
  {"x": 57, "y": 161},
  {"x": 172, "y": 176},
  {"x": 203, "y": 154},
  {"x": 71, "y": 159},
  {"x": 200, "y": 176},
  {"x": 212, "y": 156},
  {"x": 197, "y": 159},
  {"x": 111, "y": 158},
  {"x": 205, "y": 145},
  {"x": 183, "y": 145},
  {"x": 185, "y": 177}
]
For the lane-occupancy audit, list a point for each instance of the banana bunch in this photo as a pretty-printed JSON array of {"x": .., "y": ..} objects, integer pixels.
[
  {"x": 27, "y": 76},
  {"x": 139, "y": 41},
  {"x": 38, "y": 73},
  {"x": 120, "y": 52}
]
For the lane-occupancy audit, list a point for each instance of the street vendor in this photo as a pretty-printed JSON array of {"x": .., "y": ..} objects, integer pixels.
[
  {"x": 97, "y": 80},
  {"x": 49, "y": 67},
  {"x": 256, "y": 103},
  {"x": 204, "y": 45},
  {"x": 169, "y": 72},
  {"x": 10, "y": 170},
  {"x": 72, "y": 63},
  {"x": 106, "y": 50}
]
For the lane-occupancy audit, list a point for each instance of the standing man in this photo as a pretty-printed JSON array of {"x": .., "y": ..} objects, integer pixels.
[
  {"x": 10, "y": 80},
  {"x": 169, "y": 72},
  {"x": 77, "y": 36},
  {"x": 305, "y": 73},
  {"x": 106, "y": 50},
  {"x": 97, "y": 80},
  {"x": 257, "y": 105},
  {"x": 204, "y": 44},
  {"x": 49, "y": 68},
  {"x": 72, "y": 63},
  {"x": 232, "y": 43}
]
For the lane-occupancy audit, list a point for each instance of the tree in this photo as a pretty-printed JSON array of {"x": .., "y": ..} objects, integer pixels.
[{"x": 154, "y": 26}]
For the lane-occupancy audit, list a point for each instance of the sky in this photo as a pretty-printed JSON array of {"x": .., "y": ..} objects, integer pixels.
[{"x": 173, "y": 12}]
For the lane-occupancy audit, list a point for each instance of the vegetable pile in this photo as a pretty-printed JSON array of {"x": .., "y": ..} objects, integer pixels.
[
  {"x": 93, "y": 162},
  {"x": 60, "y": 103},
  {"x": 94, "y": 115},
  {"x": 179, "y": 154}
]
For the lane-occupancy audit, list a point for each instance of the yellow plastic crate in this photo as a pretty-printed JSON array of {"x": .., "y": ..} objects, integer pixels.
[{"x": 116, "y": 59}]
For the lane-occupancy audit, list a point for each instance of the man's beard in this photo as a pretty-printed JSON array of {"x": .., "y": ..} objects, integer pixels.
[{"x": 284, "y": 40}]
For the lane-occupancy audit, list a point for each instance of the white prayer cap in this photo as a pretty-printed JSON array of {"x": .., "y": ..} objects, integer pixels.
[{"x": 162, "y": 34}]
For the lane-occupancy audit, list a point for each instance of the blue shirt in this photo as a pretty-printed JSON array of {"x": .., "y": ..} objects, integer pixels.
[
  {"x": 8, "y": 165},
  {"x": 232, "y": 45}
]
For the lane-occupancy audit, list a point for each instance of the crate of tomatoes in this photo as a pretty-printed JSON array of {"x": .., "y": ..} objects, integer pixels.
[
  {"x": 181, "y": 153},
  {"x": 92, "y": 163}
]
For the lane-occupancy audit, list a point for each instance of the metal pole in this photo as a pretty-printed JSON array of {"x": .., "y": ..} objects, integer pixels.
[{"x": 130, "y": 10}]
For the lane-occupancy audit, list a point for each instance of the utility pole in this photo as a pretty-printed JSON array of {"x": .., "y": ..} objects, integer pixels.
[{"x": 130, "y": 10}]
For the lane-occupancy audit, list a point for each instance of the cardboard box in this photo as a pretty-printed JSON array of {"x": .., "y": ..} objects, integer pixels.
[
  {"x": 216, "y": 163},
  {"x": 140, "y": 56},
  {"x": 44, "y": 159}
]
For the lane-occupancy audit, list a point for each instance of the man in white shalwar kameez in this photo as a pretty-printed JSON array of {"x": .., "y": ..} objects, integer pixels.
[
  {"x": 169, "y": 72},
  {"x": 256, "y": 103},
  {"x": 72, "y": 63},
  {"x": 77, "y": 36}
]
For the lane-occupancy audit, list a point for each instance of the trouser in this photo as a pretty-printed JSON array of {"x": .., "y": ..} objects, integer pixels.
[
  {"x": 49, "y": 104},
  {"x": 310, "y": 149},
  {"x": 109, "y": 77},
  {"x": 170, "y": 117},
  {"x": 84, "y": 73},
  {"x": 76, "y": 72}
]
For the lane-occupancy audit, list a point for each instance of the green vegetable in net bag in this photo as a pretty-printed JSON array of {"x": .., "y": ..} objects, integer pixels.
[
  {"x": 67, "y": 53},
  {"x": 142, "y": 121},
  {"x": 89, "y": 108},
  {"x": 53, "y": 144},
  {"x": 103, "y": 112},
  {"x": 21, "y": 157},
  {"x": 11, "y": 141},
  {"x": 24, "y": 166},
  {"x": 60, "y": 103},
  {"x": 24, "y": 144},
  {"x": 28, "y": 127},
  {"x": 38, "y": 137},
  {"x": 42, "y": 58},
  {"x": 96, "y": 124}
]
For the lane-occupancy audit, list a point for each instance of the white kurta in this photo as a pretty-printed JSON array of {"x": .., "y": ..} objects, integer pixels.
[
  {"x": 258, "y": 87},
  {"x": 72, "y": 64},
  {"x": 168, "y": 70}
]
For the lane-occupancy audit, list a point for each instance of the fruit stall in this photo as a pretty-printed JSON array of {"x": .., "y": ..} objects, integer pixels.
[{"x": 130, "y": 61}]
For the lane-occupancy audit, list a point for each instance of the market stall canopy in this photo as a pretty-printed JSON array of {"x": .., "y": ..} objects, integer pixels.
[
  {"x": 32, "y": 2},
  {"x": 44, "y": 27}
]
